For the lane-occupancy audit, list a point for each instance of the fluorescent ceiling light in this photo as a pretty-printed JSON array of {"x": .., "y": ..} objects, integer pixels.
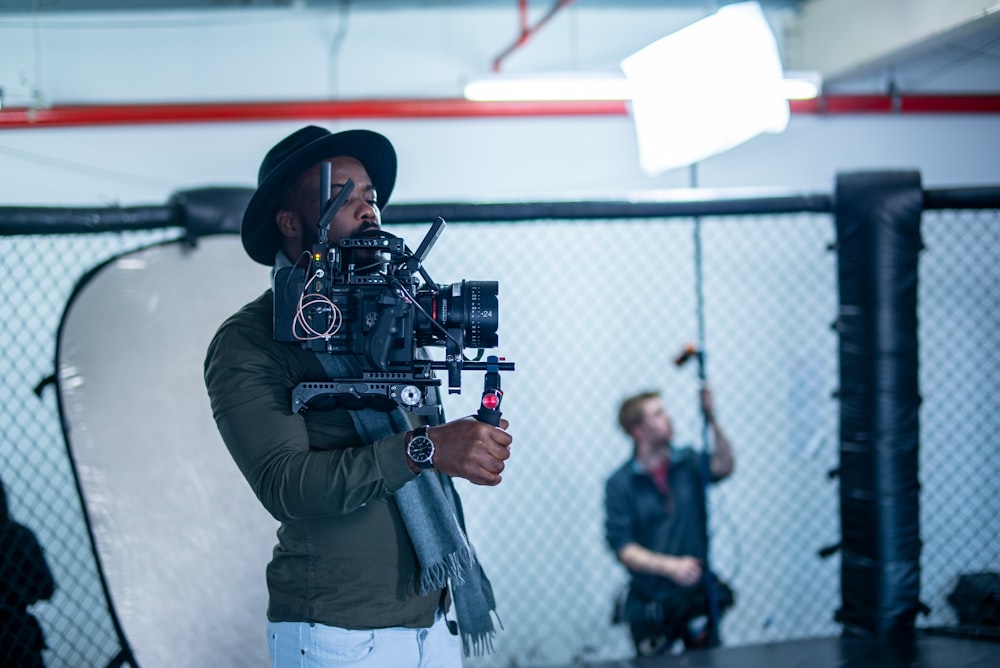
[
  {"x": 585, "y": 87},
  {"x": 801, "y": 85},
  {"x": 706, "y": 88},
  {"x": 555, "y": 87}
]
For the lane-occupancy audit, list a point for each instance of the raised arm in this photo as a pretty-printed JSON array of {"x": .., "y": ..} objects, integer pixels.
[{"x": 722, "y": 462}]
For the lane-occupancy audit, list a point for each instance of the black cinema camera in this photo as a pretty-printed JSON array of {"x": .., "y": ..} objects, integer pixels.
[{"x": 362, "y": 300}]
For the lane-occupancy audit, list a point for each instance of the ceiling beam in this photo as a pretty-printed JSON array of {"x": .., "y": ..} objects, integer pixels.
[{"x": 847, "y": 38}]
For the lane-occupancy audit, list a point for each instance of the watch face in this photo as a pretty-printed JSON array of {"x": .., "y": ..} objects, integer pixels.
[{"x": 421, "y": 450}]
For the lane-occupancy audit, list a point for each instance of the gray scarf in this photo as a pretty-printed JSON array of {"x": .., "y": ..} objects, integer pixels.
[{"x": 432, "y": 512}]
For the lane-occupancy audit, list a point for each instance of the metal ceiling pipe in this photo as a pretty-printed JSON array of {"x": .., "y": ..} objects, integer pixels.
[
  {"x": 437, "y": 108},
  {"x": 526, "y": 30},
  {"x": 907, "y": 104},
  {"x": 231, "y": 112}
]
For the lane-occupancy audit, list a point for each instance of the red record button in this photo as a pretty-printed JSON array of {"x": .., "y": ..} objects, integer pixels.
[{"x": 491, "y": 401}]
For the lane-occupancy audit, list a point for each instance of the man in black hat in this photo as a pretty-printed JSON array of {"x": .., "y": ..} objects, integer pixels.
[{"x": 372, "y": 549}]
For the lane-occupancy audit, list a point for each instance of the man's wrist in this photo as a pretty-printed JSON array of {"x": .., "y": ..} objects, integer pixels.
[
  {"x": 669, "y": 565},
  {"x": 419, "y": 449},
  {"x": 406, "y": 453}
]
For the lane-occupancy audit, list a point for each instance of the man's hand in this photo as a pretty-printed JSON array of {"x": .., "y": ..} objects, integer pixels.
[
  {"x": 684, "y": 571},
  {"x": 471, "y": 449}
]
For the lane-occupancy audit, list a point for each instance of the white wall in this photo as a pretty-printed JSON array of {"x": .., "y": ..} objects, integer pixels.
[{"x": 304, "y": 55}]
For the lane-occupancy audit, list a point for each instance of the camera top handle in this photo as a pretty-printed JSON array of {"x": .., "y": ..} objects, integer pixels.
[{"x": 327, "y": 208}]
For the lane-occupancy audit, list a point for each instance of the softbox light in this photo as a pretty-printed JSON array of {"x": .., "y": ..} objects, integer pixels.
[{"x": 706, "y": 88}]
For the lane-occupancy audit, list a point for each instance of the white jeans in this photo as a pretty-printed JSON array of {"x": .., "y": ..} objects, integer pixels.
[{"x": 304, "y": 645}]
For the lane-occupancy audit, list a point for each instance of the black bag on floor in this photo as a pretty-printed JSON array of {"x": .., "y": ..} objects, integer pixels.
[
  {"x": 976, "y": 599},
  {"x": 656, "y": 624}
]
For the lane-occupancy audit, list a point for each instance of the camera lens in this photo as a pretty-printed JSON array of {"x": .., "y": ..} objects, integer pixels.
[{"x": 470, "y": 306}]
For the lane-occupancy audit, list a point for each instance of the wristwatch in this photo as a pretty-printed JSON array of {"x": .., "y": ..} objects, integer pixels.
[{"x": 421, "y": 448}]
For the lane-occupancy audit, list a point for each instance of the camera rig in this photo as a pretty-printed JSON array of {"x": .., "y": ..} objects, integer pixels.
[{"x": 361, "y": 306}]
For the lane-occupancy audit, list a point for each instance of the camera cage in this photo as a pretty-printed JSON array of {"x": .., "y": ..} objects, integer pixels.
[{"x": 359, "y": 300}]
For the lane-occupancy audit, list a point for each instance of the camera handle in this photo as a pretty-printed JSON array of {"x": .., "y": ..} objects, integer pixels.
[
  {"x": 489, "y": 405},
  {"x": 327, "y": 208}
]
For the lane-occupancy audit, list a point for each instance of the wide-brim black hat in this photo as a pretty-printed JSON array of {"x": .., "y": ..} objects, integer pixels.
[{"x": 292, "y": 156}]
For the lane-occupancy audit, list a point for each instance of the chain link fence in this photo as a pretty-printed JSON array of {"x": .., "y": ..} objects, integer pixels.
[
  {"x": 592, "y": 311},
  {"x": 959, "y": 312},
  {"x": 39, "y": 274}
]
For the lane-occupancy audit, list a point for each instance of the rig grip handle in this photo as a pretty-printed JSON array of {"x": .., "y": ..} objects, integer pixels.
[{"x": 489, "y": 405}]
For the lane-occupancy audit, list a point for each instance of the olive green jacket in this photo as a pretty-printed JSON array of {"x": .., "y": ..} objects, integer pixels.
[{"x": 343, "y": 556}]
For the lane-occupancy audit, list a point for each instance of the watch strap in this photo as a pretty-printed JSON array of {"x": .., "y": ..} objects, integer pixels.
[{"x": 421, "y": 433}]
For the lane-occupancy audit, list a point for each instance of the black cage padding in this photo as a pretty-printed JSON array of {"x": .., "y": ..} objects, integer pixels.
[
  {"x": 219, "y": 209},
  {"x": 878, "y": 243},
  {"x": 210, "y": 210}
]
